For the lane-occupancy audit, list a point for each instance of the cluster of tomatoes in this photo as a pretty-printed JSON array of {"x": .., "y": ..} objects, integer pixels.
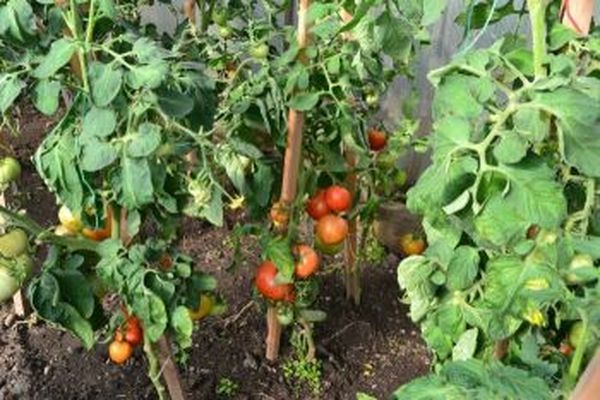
[
  {"x": 127, "y": 337},
  {"x": 331, "y": 230},
  {"x": 324, "y": 207},
  {"x": 71, "y": 224}
]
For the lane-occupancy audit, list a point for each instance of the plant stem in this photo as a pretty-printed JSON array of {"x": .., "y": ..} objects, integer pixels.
[
  {"x": 537, "y": 16},
  {"x": 154, "y": 369},
  {"x": 577, "y": 360},
  {"x": 77, "y": 33}
]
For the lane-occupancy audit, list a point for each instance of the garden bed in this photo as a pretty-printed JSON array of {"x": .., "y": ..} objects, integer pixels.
[{"x": 374, "y": 348}]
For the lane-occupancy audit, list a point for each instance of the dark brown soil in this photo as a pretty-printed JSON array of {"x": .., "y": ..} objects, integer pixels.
[{"x": 373, "y": 348}]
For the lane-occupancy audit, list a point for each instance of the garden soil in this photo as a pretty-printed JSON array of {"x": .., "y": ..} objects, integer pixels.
[{"x": 372, "y": 349}]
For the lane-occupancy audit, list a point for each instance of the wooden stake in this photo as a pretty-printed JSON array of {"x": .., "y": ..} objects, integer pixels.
[
  {"x": 169, "y": 370},
  {"x": 289, "y": 186},
  {"x": 352, "y": 267},
  {"x": 588, "y": 386},
  {"x": 577, "y": 15}
]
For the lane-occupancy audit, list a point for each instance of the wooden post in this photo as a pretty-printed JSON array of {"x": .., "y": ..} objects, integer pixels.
[
  {"x": 289, "y": 186},
  {"x": 577, "y": 15},
  {"x": 351, "y": 264},
  {"x": 169, "y": 370}
]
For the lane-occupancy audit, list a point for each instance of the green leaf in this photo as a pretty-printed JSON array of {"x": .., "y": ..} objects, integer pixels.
[
  {"x": 148, "y": 76},
  {"x": 60, "y": 53},
  {"x": 511, "y": 149},
  {"x": 46, "y": 298},
  {"x": 97, "y": 155},
  {"x": 174, "y": 103},
  {"x": 105, "y": 82},
  {"x": 45, "y": 96},
  {"x": 99, "y": 122},
  {"x": 213, "y": 212},
  {"x": 313, "y": 315},
  {"x": 10, "y": 88},
  {"x": 183, "y": 327},
  {"x": 413, "y": 277},
  {"x": 136, "y": 183},
  {"x": 152, "y": 312},
  {"x": 466, "y": 345},
  {"x": 144, "y": 141},
  {"x": 450, "y": 135},
  {"x": 579, "y": 126},
  {"x": 75, "y": 290},
  {"x": 278, "y": 251},
  {"x": 304, "y": 102},
  {"x": 463, "y": 268}
]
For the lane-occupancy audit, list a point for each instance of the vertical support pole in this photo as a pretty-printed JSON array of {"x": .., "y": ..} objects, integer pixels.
[{"x": 289, "y": 186}]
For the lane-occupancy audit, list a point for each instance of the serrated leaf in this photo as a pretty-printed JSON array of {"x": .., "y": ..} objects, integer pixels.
[
  {"x": 183, "y": 327},
  {"x": 213, "y": 212},
  {"x": 174, "y": 103},
  {"x": 511, "y": 149}
]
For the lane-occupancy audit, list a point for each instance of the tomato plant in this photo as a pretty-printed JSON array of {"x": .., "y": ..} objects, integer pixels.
[{"x": 509, "y": 204}]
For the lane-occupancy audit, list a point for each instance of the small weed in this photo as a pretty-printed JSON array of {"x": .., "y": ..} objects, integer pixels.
[
  {"x": 226, "y": 388},
  {"x": 299, "y": 370}
]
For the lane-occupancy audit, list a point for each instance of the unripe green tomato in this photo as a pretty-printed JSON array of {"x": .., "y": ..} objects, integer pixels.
[
  {"x": 225, "y": 32},
  {"x": 386, "y": 161},
  {"x": 576, "y": 334},
  {"x": 372, "y": 99},
  {"x": 10, "y": 170},
  {"x": 165, "y": 149},
  {"x": 260, "y": 51}
]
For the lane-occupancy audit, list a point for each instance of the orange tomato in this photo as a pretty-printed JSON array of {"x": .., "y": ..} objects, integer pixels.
[
  {"x": 412, "y": 245},
  {"x": 331, "y": 230},
  {"x": 120, "y": 351},
  {"x": 308, "y": 261}
]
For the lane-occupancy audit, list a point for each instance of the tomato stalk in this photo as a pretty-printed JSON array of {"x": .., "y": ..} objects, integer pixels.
[
  {"x": 153, "y": 368},
  {"x": 76, "y": 30},
  {"x": 577, "y": 360}
]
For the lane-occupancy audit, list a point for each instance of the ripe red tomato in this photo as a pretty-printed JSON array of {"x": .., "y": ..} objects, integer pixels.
[
  {"x": 377, "y": 139},
  {"x": 119, "y": 351},
  {"x": 133, "y": 331},
  {"x": 412, "y": 245},
  {"x": 331, "y": 230},
  {"x": 317, "y": 206},
  {"x": 308, "y": 261},
  {"x": 266, "y": 285},
  {"x": 338, "y": 198}
]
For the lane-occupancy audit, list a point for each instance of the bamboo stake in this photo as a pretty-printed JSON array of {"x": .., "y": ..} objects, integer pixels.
[{"x": 289, "y": 187}]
